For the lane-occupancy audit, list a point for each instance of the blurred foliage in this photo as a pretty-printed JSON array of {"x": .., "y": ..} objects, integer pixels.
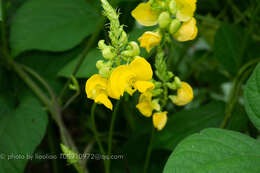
[{"x": 53, "y": 37}]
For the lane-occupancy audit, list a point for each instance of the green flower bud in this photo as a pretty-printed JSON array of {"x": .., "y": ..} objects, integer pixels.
[
  {"x": 157, "y": 92},
  {"x": 123, "y": 38},
  {"x": 164, "y": 19},
  {"x": 105, "y": 71},
  {"x": 72, "y": 157},
  {"x": 133, "y": 50},
  {"x": 174, "y": 26},
  {"x": 108, "y": 53},
  {"x": 99, "y": 64},
  {"x": 101, "y": 44},
  {"x": 173, "y": 7},
  {"x": 170, "y": 74},
  {"x": 177, "y": 82},
  {"x": 156, "y": 104}
]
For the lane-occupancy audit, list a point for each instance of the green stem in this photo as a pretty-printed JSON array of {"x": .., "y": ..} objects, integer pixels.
[
  {"x": 41, "y": 80},
  {"x": 89, "y": 44},
  {"x": 238, "y": 81},
  {"x": 101, "y": 149},
  {"x": 110, "y": 134},
  {"x": 149, "y": 151}
]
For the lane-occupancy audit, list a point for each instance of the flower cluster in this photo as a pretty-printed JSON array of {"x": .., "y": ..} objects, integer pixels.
[
  {"x": 173, "y": 16},
  {"x": 123, "y": 70}
]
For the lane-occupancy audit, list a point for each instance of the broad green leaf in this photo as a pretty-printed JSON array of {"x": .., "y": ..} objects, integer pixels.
[
  {"x": 227, "y": 47},
  {"x": 88, "y": 67},
  {"x": 252, "y": 97},
  {"x": 21, "y": 131},
  {"x": 55, "y": 25},
  {"x": 215, "y": 151},
  {"x": 187, "y": 122},
  {"x": 1, "y": 18}
]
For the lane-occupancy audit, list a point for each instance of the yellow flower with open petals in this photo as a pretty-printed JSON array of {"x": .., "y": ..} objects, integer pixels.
[
  {"x": 188, "y": 31},
  {"x": 145, "y": 15},
  {"x": 184, "y": 95},
  {"x": 159, "y": 120},
  {"x": 130, "y": 78},
  {"x": 149, "y": 39},
  {"x": 96, "y": 89},
  {"x": 186, "y": 9},
  {"x": 145, "y": 105}
]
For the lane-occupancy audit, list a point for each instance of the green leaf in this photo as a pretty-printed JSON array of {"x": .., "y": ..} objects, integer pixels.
[
  {"x": 215, "y": 151},
  {"x": 88, "y": 67},
  {"x": 187, "y": 122},
  {"x": 21, "y": 131},
  {"x": 1, "y": 17},
  {"x": 55, "y": 25},
  {"x": 227, "y": 47},
  {"x": 252, "y": 97}
]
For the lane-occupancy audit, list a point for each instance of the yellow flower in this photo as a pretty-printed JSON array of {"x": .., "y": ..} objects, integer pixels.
[
  {"x": 159, "y": 120},
  {"x": 188, "y": 31},
  {"x": 184, "y": 95},
  {"x": 149, "y": 39},
  {"x": 130, "y": 77},
  {"x": 186, "y": 9},
  {"x": 145, "y": 15},
  {"x": 96, "y": 89},
  {"x": 145, "y": 105}
]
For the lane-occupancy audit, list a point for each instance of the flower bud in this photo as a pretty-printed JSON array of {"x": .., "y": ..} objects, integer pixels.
[
  {"x": 105, "y": 71},
  {"x": 173, "y": 7},
  {"x": 101, "y": 44},
  {"x": 184, "y": 95},
  {"x": 108, "y": 53},
  {"x": 99, "y": 64},
  {"x": 164, "y": 19},
  {"x": 174, "y": 26},
  {"x": 133, "y": 50},
  {"x": 123, "y": 37}
]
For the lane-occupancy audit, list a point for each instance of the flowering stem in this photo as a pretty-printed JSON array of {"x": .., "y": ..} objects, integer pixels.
[
  {"x": 149, "y": 151},
  {"x": 96, "y": 135},
  {"x": 110, "y": 134}
]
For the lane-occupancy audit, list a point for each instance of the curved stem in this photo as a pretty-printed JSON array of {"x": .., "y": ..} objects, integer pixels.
[
  {"x": 110, "y": 134},
  {"x": 238, "y": 81},
  {"x": 41, "y": 80},
  {"x": 149, "y": 151},
  {"x": 101, "y": 149}
]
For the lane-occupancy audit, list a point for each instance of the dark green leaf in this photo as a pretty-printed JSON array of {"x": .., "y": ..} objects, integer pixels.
[
  {"x": 88, "y": 67},
  {"x": 215, "y": 151},
  {"x": 55, "y": 25},
  {"x": 21, "y": 131},
  {"x": 227, "y": 47},
  {"x": 187, "y": 122},
  {"x": 252, "y": 97}
]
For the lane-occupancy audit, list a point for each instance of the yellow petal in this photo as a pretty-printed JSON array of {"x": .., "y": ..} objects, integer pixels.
[
  {"x": 119, "y": 81},
  {"x": 94, "y": 84},
  {"x": 186, "y": 9},
  {"x": 149, "y": 39},
  {"x": 188, "y": 31},
  {"x": 143, "y": 86},
  {"x": 145, "y": 15},
  {"x": 145, "y": 105},
  {"x": 184, "y": 95},
  {"x": 141, "y": 68},
  {"x": 103, "y": 99},
  {"x": 159, "y": 120}
]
